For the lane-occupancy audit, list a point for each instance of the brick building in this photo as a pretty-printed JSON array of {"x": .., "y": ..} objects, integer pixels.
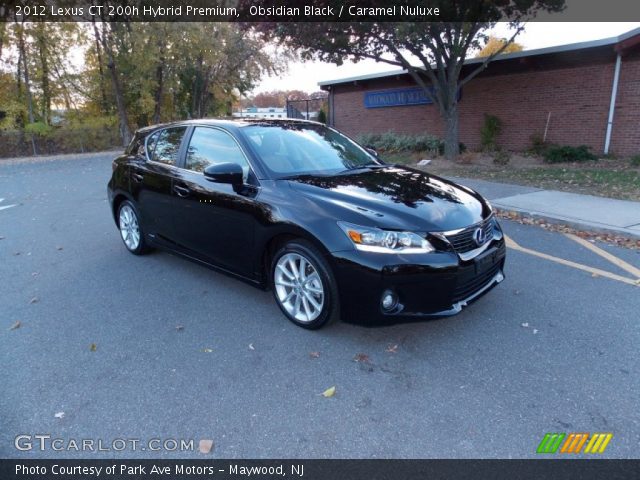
[{"x": 581, "y": 94}]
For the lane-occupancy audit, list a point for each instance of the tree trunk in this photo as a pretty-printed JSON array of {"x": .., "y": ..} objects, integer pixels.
[
  {"x": 451, "y": 138},
  {"x": 103, "y": 93},
  {"x": 3, "y": 29},
  {"x": 44, "y": 77},
  {"x": 125, "y": 131},
  {"x": 27, "y": 84},
  {"x": 160, "y": 85}
]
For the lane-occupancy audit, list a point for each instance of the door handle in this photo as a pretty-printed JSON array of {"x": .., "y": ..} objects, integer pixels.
[
  {"x": 181, "y": 191},
  {"x": 137, "y": 177}
]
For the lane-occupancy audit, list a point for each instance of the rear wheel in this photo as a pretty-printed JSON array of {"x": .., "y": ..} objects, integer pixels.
[
  {"x": 130, "y": 230},
  {"x": 303, "y": 285}
]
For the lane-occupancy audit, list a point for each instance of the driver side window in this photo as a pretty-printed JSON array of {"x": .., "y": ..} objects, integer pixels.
[{"x": 209, "y": 146}]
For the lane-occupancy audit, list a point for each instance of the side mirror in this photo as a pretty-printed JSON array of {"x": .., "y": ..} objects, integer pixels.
[
  {"x": 230, "y": 173},
  {"x": 371, "y": 150}
]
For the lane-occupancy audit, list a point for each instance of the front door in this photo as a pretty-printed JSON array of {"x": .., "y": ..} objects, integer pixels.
[{"x": 213, "y": 222}]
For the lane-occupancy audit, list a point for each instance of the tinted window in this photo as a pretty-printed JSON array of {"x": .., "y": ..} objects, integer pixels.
[
  {"x": 165, "y": 145},
  {"x": 151, "y": 144},
  {"x": 209, "y": 146},
  {"x": 294, "y": 149}
]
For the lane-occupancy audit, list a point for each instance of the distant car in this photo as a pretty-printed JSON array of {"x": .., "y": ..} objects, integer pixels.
[{"x": 302, "y": 209}]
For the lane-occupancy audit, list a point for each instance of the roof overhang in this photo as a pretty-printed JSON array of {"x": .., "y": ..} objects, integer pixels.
[{"x": 619, "y": 43}]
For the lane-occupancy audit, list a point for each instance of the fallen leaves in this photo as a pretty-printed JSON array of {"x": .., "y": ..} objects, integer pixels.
[
  {"x": 93, "y": 347},
  {"x": 610, "y": 238},
  {"x": 205, "y": 446},
  {"x": 361, "y": 357},
  {"x": 392, "y": 349},
  {"x": 59, "y": 248},
  {"x": 16, "y": 325},
  {"x": 314, "y": 354},
  {"x": 329, "y": 392},
  {"x": 59, "y": 415}
]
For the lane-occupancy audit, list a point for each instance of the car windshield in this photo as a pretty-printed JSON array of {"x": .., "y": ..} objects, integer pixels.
[{"x": 293, "y": 149}]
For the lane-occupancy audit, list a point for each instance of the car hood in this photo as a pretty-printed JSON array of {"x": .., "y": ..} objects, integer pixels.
[{"x": 394, "y": 197}]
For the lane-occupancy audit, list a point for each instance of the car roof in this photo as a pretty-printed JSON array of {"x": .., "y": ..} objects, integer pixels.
[{"x": 235, "y": 122}]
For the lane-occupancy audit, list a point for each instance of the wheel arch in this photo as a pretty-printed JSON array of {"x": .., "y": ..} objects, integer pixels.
[
  {"x": 115, "y": 205},
  {"x": 276, "y": 239}
]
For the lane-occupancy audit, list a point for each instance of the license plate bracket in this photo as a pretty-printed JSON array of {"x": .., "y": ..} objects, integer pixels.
[{"x": 485, "y": 261}]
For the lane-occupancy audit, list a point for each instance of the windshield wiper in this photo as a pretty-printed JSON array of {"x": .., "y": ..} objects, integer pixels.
[{"x": 372, "y": 166}]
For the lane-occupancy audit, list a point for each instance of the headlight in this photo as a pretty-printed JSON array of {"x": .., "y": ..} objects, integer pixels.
[{"x": 371, "y": 239}]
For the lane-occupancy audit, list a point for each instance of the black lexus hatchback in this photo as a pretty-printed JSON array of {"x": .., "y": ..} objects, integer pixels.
[{"x": 302, "y": 209}]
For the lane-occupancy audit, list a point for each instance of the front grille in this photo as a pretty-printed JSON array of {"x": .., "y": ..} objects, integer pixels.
[
  {"x": 464, "y": 242},
  {"x": 469, "y": 287}
]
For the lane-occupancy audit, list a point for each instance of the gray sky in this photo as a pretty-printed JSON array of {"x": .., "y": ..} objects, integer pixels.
[{"x": 305, "y": 76}]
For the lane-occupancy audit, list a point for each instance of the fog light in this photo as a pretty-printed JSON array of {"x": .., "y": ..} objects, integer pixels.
[{"x": 389, "y": 300}]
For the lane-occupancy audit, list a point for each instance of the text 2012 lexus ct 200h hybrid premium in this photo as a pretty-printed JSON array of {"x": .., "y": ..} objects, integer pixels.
[{"x": 301, "y": 209}]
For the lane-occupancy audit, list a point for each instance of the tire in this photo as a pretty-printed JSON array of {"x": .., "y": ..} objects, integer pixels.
[
  {"x": 130, "y": 230},
  {"x": 310, "y": 300}
]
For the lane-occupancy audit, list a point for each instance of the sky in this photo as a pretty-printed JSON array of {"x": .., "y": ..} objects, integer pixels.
[{"x": 305, "y": 76}]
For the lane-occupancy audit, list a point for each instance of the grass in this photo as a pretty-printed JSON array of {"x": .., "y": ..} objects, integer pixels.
[{"x": 604, "y": 178}]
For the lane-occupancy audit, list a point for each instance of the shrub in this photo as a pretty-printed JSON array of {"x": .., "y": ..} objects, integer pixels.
[
  {"x": 491, "y": 129},
  {"x": 322, "y": 116},
  {"x": 396, "y": 142},
  {"x": 501, "y": 157},
  {"x": 538, "y": 145},
  {"x": 39, "y": 129},
  {"x": 561, "y": 154},
  {"x": 635, "y": 160}
]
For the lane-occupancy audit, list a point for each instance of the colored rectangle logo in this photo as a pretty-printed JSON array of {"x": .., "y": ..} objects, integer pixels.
[{"x": 573, "y": 443}]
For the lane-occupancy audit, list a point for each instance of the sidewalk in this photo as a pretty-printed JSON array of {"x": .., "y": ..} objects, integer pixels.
[{"x": 584, "y": 212}]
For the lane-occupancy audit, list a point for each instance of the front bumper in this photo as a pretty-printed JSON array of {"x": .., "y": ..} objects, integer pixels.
[{"x": 430, "y": 285}]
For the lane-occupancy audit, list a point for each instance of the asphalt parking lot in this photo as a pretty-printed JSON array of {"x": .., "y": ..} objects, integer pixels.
[{"x": 183, "y": 352}]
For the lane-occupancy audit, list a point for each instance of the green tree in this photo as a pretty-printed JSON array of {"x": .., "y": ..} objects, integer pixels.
[{"x": 440, "y": 48}]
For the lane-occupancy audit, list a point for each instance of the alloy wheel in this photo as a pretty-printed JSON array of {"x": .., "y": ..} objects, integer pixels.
[
  {"x": 298, "y": 287},
  {"x": 129, "y": 228}
]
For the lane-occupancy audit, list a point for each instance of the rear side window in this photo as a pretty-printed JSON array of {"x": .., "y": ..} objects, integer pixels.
[{"x": 163, "y": 146}]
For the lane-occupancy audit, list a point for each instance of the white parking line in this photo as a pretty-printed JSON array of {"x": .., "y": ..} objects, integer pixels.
[{"x": 7, "y": 206}]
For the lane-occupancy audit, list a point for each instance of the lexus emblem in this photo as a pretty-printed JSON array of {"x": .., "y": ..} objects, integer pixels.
[{"x": 479, "y": 236}]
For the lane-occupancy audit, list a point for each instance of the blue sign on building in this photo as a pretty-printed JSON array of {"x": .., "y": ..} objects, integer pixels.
[{"x": 397, "y": 97}]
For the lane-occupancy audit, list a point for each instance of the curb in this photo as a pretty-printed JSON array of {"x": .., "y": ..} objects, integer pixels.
[
  {"x": 60, "y": 157},
  {"x": 575, "y": 224}
]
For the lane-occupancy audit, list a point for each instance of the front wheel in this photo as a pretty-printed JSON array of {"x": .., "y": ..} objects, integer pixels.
[
  {"x": 303, "y": 285},
  {"x": 130, "y": 229}
]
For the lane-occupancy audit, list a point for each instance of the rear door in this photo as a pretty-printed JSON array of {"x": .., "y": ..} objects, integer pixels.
[{"x": 152, "y": 182}]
